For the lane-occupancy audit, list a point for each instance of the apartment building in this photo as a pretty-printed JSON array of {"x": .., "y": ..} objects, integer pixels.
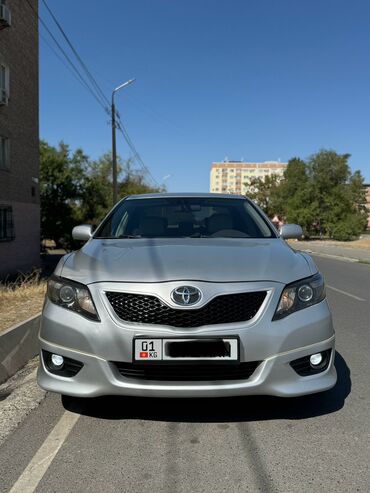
[
  {"x": 367, "y": 205},
  {"x": 233, "y": 176},
  {"x": 19, "y": 137}
]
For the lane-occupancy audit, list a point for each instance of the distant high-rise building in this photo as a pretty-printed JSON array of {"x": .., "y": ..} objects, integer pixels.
[
  {"x": 367, "y": 205},
  {"x": 233, "y": 176},
  {"x": 19, "y": 137}
]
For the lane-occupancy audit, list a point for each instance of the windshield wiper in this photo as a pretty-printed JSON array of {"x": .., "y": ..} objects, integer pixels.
[
  {"x": 129, "y": 237},
  {"x": 197, "y": 235}
]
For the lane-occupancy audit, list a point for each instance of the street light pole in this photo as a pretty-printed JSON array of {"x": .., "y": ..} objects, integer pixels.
[
  {"x": 114, "y": 148},
  {"x": 114, "y": 153}
]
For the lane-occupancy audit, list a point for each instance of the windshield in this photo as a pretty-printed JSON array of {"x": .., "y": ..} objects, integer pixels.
[{"x": 179, "y": 217}]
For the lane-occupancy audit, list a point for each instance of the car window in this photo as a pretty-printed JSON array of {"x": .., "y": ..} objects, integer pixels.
[{"x": 178, "y": 217}]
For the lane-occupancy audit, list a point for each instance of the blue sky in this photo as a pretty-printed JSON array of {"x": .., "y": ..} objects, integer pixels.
[{"x": 253, "y": 79}]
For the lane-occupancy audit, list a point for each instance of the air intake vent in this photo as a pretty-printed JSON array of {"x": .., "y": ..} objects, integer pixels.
[
  {"x": 188, "y": 373},
  {"x": 223, "y": 309}
]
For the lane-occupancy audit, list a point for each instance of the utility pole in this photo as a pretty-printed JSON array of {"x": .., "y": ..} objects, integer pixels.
[
  {"x": 114, "y": 148},
  {"x": 114, "y": 153}
]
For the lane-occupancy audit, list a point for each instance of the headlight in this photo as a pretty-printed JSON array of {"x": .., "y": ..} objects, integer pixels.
[
  {"x": 73, "y": 296},
  {"x": 299, "y": 295}
]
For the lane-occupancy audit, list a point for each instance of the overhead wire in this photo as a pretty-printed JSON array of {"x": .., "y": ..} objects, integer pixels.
[
  {"x": 50, "y": 46},
  {"x": 81, "y": 62},
  {"x": 136, "y": 154},
  {"x": 94, "y": 89},
  {"x": 65, "y": 54}
]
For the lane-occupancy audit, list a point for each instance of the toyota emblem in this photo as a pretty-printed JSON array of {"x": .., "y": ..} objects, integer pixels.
[{"x": 186, "y": 295}]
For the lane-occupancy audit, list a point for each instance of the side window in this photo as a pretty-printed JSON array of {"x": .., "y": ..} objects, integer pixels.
[
  {"x": 5, "y": 15},
  {"x": 6, "y": 223},
  {"x": 4, "y": 84},
  {"x": 4, "y": 153}
]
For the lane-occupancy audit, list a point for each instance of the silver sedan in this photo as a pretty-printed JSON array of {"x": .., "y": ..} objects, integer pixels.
[{"x": 186, "y": 295}]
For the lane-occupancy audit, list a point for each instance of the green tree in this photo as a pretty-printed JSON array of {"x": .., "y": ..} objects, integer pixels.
[
  {"x": 97, "y": 187},
  {"x": 295, "y": 203},
  {"x": 337, "y": 195},
  {"x": 96, "y": 199},
  {"x": 61, "y": 181},
  {"x": 135, "y": 182},
  {"x": 76, "y": 190},
  {"x": 322, "y": 195},
  {"x": 264, "y": 191}
]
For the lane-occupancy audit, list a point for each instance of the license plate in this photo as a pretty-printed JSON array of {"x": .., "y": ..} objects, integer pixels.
[
  {"x": 200, "y": 349},
  {"x": 148, "y": 349}
]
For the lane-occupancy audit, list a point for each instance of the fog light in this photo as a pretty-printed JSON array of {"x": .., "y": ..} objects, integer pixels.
[
  {"x": 57, "y": 360},
  {"x": 315, "y": 359}
]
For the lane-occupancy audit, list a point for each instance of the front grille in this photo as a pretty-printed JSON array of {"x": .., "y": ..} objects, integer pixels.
[
  {"x": 189, "y": 373},
  {"x": 223, "y": 309}
]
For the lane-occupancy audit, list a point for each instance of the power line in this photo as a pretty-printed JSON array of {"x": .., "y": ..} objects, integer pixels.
[
  {"x": 82, "y": 82},
  {"x": 82, "y": 63},
  {"x": 136, "y": 154},
  {"x": 78, "y": 74},
  {"x": 95, "y": 89}
]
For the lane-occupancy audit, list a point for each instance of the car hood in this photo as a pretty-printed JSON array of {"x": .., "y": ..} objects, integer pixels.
[{"x": 202, "y": 259}]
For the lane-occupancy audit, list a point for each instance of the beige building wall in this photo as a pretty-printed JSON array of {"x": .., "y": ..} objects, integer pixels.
[
  {"x": 367, "y": 192},
  {"x": 19, "y": 129},
  {"x": 23, "y": 253},
  {"x": 232, "y": 176}
]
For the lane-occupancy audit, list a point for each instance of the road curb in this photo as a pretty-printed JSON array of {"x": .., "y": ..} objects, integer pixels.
[
  {"x": 18, "y": 345},
  {"x": 329, "y": 255}
]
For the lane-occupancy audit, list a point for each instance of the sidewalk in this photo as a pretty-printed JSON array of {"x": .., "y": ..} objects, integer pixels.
[{"x": 328, "y": 248}]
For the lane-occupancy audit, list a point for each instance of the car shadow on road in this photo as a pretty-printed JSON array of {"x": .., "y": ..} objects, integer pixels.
[{"x": 227, "y": 409}]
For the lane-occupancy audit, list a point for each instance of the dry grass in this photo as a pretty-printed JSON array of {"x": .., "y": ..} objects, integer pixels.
[
  {"x": 362, "y": 244},
  {"x": 21, "y": 299}
]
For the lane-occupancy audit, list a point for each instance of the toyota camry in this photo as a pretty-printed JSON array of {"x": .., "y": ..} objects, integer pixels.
[{"x": 186, "y": 295}]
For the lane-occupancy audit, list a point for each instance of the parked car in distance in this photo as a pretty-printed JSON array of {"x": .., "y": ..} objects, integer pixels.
[{"x": 186, "y": 295}]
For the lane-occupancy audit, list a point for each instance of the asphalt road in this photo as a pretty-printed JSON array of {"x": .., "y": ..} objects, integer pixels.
[{"x": 314, "y": 443}]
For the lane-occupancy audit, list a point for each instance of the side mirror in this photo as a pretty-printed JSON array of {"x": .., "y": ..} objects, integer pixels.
[
  {"x": 82, "y": 232},
  {"x": 290, "y": 231}
]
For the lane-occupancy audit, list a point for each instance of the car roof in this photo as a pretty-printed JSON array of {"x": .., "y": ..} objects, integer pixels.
[{"x": 185, "y": 195}]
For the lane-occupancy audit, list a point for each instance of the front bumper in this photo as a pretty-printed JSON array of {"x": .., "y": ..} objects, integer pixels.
[
  {"x": 275, "y": 344},
  {"x": 274, "y": 376}
]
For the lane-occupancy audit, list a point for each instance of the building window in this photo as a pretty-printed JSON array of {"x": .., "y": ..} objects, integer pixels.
[
  {"x": 6, "y": 223},
  {"x": 5, "y": 15},
  {"x": 4, "y": 83},
  {"x": 4, "y": 153}
]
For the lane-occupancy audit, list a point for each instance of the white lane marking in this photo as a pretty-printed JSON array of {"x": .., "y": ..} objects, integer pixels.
[
  {"x": 345, "y": 292},
  {"x": 34, "y": 472}
]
